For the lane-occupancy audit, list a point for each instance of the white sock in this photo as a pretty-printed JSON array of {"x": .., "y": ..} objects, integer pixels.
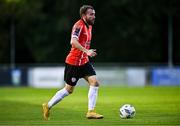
[
  {"x": 58, "y": 97},
  {"x": 92, "y": 97}
]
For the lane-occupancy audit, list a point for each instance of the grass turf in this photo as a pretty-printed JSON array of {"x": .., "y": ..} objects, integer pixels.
[{"x": 154, "y": 106}]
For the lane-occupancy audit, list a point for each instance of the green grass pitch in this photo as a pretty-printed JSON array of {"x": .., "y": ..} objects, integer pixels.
[{"x": 154, "y": 106}]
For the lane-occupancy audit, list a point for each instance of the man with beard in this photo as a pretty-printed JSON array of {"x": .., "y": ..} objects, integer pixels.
[{"x": 77, "y": 64}]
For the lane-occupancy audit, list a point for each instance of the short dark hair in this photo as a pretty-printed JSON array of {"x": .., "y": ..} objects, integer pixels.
[{"x": 84, "y": 8}]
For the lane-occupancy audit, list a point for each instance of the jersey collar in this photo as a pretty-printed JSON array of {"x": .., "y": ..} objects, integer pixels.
[{"x": 85, "y": 23}]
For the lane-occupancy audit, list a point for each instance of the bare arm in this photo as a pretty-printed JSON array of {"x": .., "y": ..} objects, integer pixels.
[{"x": 76, "y": 44}]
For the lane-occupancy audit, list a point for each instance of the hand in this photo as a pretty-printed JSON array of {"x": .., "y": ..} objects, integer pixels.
[{"x": 91, "y": 52}]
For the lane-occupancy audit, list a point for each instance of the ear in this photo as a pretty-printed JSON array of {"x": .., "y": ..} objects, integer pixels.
[{"x": 83, "y": 15}]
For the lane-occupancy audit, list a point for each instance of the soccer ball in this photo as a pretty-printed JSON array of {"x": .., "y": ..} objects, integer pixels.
[{"x": 127, "y": 111}]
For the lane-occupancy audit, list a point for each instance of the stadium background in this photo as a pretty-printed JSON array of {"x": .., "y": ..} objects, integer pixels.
[{"x": 127, "y": 34}]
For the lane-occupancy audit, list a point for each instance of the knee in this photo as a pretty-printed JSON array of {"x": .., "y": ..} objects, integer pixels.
[
  {"x": 69, "y": 88},
  {"x": 94, "y": 82},
  {"x": 70, "y": 91}
]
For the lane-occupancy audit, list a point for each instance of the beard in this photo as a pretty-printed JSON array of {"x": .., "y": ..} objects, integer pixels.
[{"x": 90, "y": 21}]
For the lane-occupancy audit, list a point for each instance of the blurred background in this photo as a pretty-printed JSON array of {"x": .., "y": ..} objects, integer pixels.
[{"x": 137, "y": 41}]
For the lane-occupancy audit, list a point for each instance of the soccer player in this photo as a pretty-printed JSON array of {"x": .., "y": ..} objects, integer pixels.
[{"x": 77, "y": 64}]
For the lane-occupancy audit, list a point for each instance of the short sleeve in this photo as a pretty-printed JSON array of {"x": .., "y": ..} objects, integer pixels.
[{"x": 76, "y": 31}]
